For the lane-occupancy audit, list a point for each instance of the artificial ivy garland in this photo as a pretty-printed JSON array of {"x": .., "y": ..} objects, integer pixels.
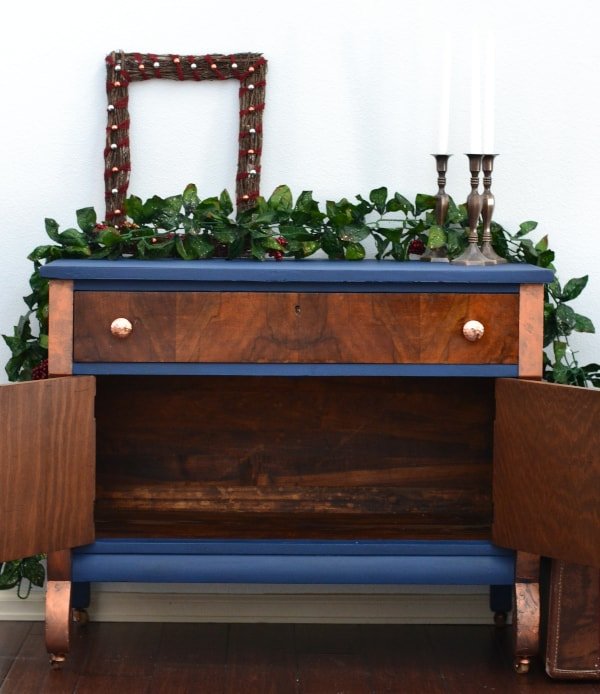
[
  {"x": 277, "y": 229},
  {"x": 185, "y": 226}
]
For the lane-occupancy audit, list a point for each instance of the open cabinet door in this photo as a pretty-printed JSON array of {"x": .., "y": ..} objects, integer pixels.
[
  {"x": 546, "y": 487},
  {"x": 47, "y": 465}
]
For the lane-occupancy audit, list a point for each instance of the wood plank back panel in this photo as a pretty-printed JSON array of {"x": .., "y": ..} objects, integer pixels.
[
  {"x": 547, "y": 470},
  {"x": 47, "y": 481},
  {"x": 416, "y": 450},
  {"x": 113, "y": 522},
  {"x": 255, "y": 327}
]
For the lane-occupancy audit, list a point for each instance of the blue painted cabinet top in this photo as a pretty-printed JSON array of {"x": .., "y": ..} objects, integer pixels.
[{"x": 326, "y": 275}]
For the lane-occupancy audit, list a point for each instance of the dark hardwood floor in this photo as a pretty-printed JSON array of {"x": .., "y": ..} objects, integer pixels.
[{"x": 124, "y": 658}]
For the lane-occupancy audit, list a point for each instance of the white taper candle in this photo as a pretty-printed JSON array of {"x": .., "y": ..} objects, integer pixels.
[
  {"x": 489, "y": 94},
  {"x": 475, "y": 142},
  {"x": 446, "y": 73}
]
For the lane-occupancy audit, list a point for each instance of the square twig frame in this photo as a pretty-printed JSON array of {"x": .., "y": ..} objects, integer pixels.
[{"x": 123, "y": 68}]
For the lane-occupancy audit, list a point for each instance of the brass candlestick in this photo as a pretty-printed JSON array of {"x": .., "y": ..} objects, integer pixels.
[
  {"x": 487, "y": 210},
  {"x": 472, "y": 255},
  {"x": 439, "y": 255}
]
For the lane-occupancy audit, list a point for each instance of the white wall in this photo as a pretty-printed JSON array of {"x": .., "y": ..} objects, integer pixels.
[{"x": 352, "y": 103}]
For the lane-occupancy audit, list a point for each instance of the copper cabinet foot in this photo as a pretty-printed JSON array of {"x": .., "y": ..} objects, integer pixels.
[
  {"x": 58, "y": 618},
  {"x": 526, "y": 613},
  {"x": 58, "y": 606}
]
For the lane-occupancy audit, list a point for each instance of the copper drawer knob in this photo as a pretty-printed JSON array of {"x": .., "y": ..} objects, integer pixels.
[
  {"x": 473, "y": 330},
  {"x": 121, "y": 328}
]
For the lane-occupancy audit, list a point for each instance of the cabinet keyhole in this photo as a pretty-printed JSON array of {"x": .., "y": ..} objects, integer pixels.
[{"x": 297, "y": 309}]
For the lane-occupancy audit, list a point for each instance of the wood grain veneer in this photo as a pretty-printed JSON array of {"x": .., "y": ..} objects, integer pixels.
[
  {"x": 152, "y": 315},
  {"x": 46, "y": 465},
  {"x": 280, "y": 327},
  {"x": 547, "y": 470}
]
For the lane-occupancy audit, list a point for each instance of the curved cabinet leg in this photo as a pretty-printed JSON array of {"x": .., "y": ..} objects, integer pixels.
[
  {"x": 58, "y": 606},
  {"x": 526, "y": 613}
]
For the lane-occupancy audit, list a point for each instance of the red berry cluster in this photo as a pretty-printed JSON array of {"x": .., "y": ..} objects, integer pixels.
[
  {"x": 416, "y": 247},
  {"x": 40, "y": 371},
  {"x": 278, "y": 254}
]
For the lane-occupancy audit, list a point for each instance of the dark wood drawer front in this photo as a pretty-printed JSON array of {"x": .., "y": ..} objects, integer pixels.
[
  {"x": 443, "y": 316},
  {"x": 294, "y": 327},
  {"x": 151, "y": 314},
  {"x": 298, "y": 328}
]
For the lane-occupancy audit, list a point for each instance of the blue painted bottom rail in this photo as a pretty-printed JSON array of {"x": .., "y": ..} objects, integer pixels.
[{"x": 295, "y": 562}]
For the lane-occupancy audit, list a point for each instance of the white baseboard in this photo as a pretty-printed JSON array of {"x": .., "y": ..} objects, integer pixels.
[{"x": 169, "y": 603}]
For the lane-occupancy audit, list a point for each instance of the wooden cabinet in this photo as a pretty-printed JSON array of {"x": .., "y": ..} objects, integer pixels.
[{"x": 300, "y": 402}]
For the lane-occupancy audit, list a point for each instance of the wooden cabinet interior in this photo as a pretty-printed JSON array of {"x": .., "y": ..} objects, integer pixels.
[{"x": 253, "y": 457}]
